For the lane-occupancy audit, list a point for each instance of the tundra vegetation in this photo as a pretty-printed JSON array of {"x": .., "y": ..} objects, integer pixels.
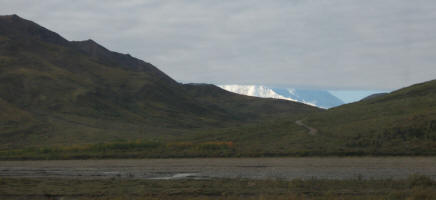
[{"x": 414, "y": 188}]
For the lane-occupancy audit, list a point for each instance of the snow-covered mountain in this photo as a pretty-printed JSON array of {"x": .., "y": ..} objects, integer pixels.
[{"x": 319, "y": 98}]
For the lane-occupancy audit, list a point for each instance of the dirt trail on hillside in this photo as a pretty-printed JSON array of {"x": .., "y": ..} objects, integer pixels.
[{"x": 312, "y": 131}]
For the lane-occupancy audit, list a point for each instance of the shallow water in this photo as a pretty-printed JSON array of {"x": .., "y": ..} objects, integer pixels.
[{"x": 251, "y": 168}]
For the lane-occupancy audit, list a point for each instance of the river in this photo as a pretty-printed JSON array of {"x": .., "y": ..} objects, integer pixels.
[{"x": 206, "y": 168}]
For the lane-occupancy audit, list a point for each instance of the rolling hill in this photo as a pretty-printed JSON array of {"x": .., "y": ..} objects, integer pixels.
[{"x": 400, "y": 123}]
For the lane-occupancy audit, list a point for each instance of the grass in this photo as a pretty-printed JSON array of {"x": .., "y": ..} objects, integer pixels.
[
  {"x": 415, "y": 187},
  {"x": 137, "y": 149},
  {"x": 276, "y": 138}
]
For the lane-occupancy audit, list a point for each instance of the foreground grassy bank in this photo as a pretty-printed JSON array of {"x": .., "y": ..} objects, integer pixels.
[
  {"x": 415, "y": 187},
  {"x": 153, "y": 149}
]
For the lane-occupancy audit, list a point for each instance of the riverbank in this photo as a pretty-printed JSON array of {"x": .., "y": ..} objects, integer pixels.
[{"x": 414, "y": 187}]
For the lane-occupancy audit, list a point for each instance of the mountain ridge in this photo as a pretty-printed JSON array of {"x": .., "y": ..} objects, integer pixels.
[
  {"x": 14, "y": 25},
  {"x": 83, "y": 92}
]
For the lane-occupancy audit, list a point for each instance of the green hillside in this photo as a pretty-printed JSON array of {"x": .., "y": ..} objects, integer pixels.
[
  {"x": 402, "y": 122},
  {"x": 57, "y": 92}
]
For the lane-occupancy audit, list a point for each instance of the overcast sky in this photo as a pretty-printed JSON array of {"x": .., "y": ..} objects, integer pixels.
[{"x": 329, "y": 44}]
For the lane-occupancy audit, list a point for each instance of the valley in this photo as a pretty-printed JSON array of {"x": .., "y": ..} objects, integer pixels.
[
  {"x": 79, "y": 100},
  {"x": 79, "y": 121},
  {"x": 217, "y": 100}
]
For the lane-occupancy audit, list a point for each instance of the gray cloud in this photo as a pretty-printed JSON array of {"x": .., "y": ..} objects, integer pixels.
[{"x": 331, "y": 44}]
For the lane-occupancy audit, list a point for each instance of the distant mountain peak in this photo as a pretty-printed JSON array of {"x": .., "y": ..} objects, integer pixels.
[
  {"x": 255, "y": 90},
  {"x": 319, "y": 98}
]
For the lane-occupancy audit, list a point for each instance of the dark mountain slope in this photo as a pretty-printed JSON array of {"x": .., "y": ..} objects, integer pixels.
[
  {"x": 17, "y": 28},
  {"x": 58, "y": 92}
]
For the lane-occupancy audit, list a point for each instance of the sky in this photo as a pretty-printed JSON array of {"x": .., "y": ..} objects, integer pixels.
[
  {"x": 349, "y": 96},
  {"x": 321, "y": 44}
]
